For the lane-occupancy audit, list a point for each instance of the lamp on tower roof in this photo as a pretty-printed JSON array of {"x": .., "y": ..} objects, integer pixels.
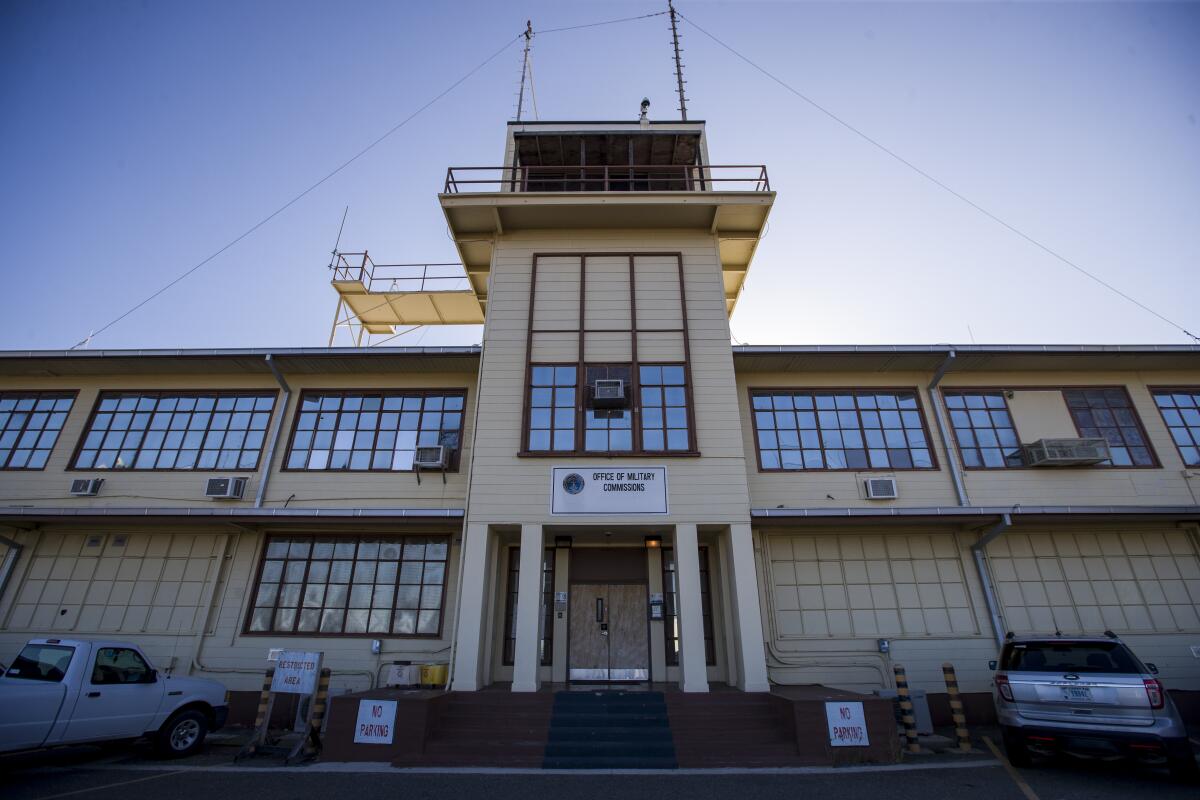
[{"x": 643, "y": 119}]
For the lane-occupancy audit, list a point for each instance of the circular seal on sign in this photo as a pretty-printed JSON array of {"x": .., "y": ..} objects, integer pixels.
[{"x": 573, "y": 483}]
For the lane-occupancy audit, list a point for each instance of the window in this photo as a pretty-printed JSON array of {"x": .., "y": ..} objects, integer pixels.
[
  {"x": 1108, "y": 414},
  {"x": 608, "y": 429},
  {"x": 840, "y": 429},
  {"x": 664, "y": 408},
  {"x": 1180, "y": 409},
  {"x": 176, "y": 430},
  {"x": 546, "y": 642},
  {"x": 379, "y": 431},
  {"x": 1095, "y": 658},
  {"x": 120, "y": 665},
  {"x": 552, "y": 408},
  {"x": 984, "y": 430},
  {"x": 29, "y": 426},
  {"x": 671, "y": 618},
  {"x": 41, "y": 662},
  {"x": 351, "y": 585}
]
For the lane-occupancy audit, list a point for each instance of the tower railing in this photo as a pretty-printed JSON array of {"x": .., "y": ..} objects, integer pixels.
[
  {"x": 610, "y": 178},
  {"x": 436, "y": 277}
]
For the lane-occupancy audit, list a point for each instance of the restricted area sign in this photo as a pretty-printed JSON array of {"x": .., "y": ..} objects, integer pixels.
[
  {"x": 376, "y": 722},
  {"x": 847, "y": 725},
  {"x": 296, "y": 672}
]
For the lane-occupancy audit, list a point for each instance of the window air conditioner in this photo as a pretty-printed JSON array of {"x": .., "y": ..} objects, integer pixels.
[
  {"x": 225, "y": 488},
  {"x": 608, "y": 394},
  {"x": 881, "y": 488},
  {"x": 431, "y": 457},
  {"x": 1065, "y": 452},
  {"x": 86, "y": 487}
]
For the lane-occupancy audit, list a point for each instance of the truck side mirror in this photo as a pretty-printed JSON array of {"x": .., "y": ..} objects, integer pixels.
[
  {"x": 992, "y": 665},
  {"x": 1153, "y": 669},
  {"x": 152, "y": 677}
]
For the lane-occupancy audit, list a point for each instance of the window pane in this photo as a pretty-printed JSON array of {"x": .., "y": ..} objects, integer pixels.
[
  {"x": 1109, "y": 414},
  {"x": 27, "y": 431},
  {"x": 1183, "y": 424}
]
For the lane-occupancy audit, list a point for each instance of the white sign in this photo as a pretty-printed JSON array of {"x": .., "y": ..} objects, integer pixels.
[
  {"x": 376, "y": 722},
  {"x": 608, "y": 490},
  {"x": 296, "y": 672},
  {"x": 847, "y": 725}
]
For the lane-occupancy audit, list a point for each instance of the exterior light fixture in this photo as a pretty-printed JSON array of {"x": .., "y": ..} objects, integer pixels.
[
  {"x": 563, "y": 541},
  {"x": 653, "y": 542}
]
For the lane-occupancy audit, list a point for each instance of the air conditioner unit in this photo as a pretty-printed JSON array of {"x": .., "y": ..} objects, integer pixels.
[
  {"x": 431, "y": 457},
  {"x": 86, "y": 487},
  {"x": 1065, "y": 452},
  {"x": 225, "y": 488},
  {"x": 881, "y": 488},
  {"x": 609, "y": 394}
]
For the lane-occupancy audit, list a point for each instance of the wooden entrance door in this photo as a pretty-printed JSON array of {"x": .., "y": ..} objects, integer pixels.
[{"x": 609, "y": 633}]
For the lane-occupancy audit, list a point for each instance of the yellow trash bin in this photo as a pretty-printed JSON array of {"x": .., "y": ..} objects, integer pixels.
[{"x": 434, "y": 675}]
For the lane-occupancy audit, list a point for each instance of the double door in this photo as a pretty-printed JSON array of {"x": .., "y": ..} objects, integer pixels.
[{"x": 609, "y": 633}]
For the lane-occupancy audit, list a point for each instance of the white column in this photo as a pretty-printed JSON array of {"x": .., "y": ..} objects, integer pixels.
[
  {"x": 562, "y": 577},
  {"x": 748, "y": 632},
  {"x": 472, "y": 607},
  {"x": 529, "y": 610},
  {"x": 693, "y": 673}
]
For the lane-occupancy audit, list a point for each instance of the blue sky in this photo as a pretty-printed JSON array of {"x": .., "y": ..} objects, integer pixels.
[{"x": 140, "y": 137}]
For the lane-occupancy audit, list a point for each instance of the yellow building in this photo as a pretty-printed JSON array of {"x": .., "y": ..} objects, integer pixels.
[{"x": 693, "y": 513}]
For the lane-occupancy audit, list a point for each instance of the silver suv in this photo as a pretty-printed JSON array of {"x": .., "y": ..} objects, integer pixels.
[{"x": 1088, "y": 697}]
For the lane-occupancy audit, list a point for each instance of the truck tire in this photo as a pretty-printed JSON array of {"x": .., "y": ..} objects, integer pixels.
[
  {"x": 182, "y": 735},
  {"x": 1015, "y": 749}
]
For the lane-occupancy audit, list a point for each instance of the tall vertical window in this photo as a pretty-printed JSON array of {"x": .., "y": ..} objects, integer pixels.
[
  {"x": 374, "y": 431},
  {"x": 670, "y": 607},
  {"x": 552, "y": 408},
  {"x": 176, "y": 430},
  {"x": 983, "y": 429},
  {"x": 607, "y": 429},
  {"x": 546, "y": 641},
  {"x": 29, "y": 426},
  {"x": 1180, "y": 409},
  {"x": 351, "y": 585},
  {"x": 664, "y": 408},
  {"x": 1108, "y": 414},
  {"x": 840, "y": 429}
]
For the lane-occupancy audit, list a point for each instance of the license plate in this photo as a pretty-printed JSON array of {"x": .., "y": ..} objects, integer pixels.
[{"x": 1077, "y": 693}]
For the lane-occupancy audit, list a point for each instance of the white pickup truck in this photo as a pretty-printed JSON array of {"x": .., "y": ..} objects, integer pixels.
[{"x": 72, "y": 691}]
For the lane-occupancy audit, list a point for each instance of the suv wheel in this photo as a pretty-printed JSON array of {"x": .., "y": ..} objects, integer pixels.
[
  {"x": 1014, "y": 746},
  {"x": 182, "y": 735}
]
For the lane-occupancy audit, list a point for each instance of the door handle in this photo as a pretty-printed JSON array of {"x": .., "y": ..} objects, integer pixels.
[
  {"x": 599, "y": 609},
  {"x": 93, "y": 694}
]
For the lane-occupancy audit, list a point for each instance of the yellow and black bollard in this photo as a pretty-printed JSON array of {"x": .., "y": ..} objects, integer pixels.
[
  {"x": 312, "y": 743},
  {"x": 907, "y": 717},
  {"x": 956, "y": 708}
]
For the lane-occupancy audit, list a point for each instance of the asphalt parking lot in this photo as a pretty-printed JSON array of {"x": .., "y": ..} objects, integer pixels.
[{"x": 129, "y": 773}]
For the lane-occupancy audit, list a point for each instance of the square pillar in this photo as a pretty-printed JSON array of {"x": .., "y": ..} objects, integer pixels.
[
  {"x": 562, "y": 577},
  {"x": 472, "y": 608},
  {"x": 529, "y": 610},
  {"x": 748, "y": 632},
  {"x": 693, "y": 672}
]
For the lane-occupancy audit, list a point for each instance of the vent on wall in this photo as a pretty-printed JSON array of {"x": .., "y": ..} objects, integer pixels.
[
  {"x": 1065, "y": 452},
  {"x": 881, "y": 488},
  {"x": 225, "y": 488},
  {"x": 86, "y": 487}
]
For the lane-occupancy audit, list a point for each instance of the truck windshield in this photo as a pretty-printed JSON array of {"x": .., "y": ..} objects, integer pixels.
[
  {"x": 1110, "y": 658},
  {"x": 41, "y": 662}
]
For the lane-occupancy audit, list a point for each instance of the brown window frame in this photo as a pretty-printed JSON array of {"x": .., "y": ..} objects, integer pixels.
[
  {"x": 581, "y": 332},
  {"x": 1154, "y": 392},
  {"x": 1137, "y": 418},
  {"x": 953, "y": 432},
  {"x": 510, "y": 607},
  {"x": 73, "y": 464},
  {"x": 456, "y": 453},
  {"x": 754, "y": 391},
  {"x": 36, "y": 395},
  {"x": 357, "y": 539},
  {"x": 670, "y": 599}
]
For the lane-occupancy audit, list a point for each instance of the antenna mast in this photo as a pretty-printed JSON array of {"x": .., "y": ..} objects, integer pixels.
[
  {"x": 678, "y": 66},
  {"x": 524, "y": 66}
]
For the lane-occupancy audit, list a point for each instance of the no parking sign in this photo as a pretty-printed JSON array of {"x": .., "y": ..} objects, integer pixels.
[{"x": 376, "y": 722}]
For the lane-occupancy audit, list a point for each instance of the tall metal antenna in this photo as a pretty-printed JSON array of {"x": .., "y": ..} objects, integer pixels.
[
  {"x": 678, "y": 66},
  {"x": 524, "y": 66},
  {"x": 338, "y": 243}
]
